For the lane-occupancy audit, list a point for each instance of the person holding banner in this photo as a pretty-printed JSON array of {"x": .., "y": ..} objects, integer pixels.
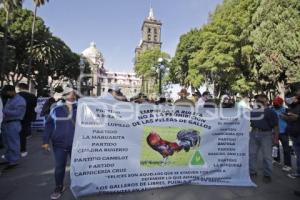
[
  {"x": 264, "y": 134},
  {"x": 184, "y": 101},
  {"x": 60, "y": 128}
]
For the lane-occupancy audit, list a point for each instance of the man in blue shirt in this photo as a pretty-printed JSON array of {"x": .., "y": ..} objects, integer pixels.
[
  {"x": 264, "y": 123},
  {"x": 283, "y": 135},
  {"x": 13, "y": 113}
]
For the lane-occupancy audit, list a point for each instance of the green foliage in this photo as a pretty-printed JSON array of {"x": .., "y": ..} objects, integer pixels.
[
  {"x": 144, "y": 65},
  {"x": 179, "y": 68},
  {"x": 276, "y": 41},
  {"x": 39, "y": 3},
  {"x": 147, "y": 60},
  {"x": 50, "y": 55},
  {"x": 247, "y": 45}
]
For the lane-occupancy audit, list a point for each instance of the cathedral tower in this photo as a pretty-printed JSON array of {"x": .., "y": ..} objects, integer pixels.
[{"x": 151, "y": 34}]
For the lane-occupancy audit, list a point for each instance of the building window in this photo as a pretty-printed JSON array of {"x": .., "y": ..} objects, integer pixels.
[
  {"x": 109, "y": 80},
  {"x": 155, "y": 38},
  {"x": 149, "y": 30},
  {"x": 149, "y": 37},
  {"x": 155, "y": 30},
  {"x": 103, "y": 89}
]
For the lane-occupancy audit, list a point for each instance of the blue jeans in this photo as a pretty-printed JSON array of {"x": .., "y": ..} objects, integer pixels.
[
  {"x": 61, "y": 157},
  {"x": 11, "y": 141},
  {"x": 261, "y": 141},
  {"x": 296, "y": 144},
  {"x": 284, "y": 139}
]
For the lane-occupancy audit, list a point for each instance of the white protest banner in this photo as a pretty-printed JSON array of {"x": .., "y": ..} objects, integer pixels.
[{"x": 124, "y": 147}]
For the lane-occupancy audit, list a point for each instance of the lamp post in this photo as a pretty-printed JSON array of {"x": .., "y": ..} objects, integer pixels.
[{"x": 160, "y": 69}]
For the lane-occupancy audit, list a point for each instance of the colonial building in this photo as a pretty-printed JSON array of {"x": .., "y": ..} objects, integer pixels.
[
  {"x": 151, "y": 34},
  {"x": 151, "y": 39},
  {"x": 101, "y": 79}
]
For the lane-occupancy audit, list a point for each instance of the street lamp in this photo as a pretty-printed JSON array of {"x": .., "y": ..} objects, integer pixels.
[{"x": 160, "y": 69}]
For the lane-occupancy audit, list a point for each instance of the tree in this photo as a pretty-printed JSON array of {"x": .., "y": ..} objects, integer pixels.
[
  {"x": 51, "y": 57},
  {"x": 37, "y": 3},
  {"x": 9, "y": 6},
  {"x": 144, "y": 67},
  {"x": 18, "y": 39},
  {"x": 179, "y": 68},
  {"x": 276, "y": 42},
  {"x": 220, "y": 53}
]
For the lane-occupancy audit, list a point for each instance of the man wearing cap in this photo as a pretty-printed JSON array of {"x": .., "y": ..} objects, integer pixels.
[
  {"x": 119, "y": 95},
  {"x": 184, "y": 101},
  {"x": 13, "y": 113},
  {"x": 280, "y": 110}
]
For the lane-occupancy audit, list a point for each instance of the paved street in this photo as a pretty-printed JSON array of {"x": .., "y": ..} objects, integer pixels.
[{"x": 33, "y": 179}]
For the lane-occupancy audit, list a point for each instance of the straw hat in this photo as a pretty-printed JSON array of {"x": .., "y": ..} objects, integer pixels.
[{"x": 183, "y": 92}]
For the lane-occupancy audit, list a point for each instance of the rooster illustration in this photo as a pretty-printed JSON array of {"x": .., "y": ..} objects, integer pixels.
[{"x": 186, "y": 139}]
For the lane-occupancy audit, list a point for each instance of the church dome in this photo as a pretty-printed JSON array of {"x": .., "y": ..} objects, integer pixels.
[{"x": 93, "y": 54}]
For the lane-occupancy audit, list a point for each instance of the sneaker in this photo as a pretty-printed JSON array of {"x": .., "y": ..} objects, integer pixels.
[
  {"x": 57, "y": 193},
  {"x": 24, "y": 154},
  {"x": 267, "y": 179},
  {"x": 286, "y": 168},
  {"x": 294, "y": 176}
]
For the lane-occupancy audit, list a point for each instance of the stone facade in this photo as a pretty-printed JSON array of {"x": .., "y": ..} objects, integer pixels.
[
  {"x": 103, "y": 79},
  {"x": 151, "y": 34}
]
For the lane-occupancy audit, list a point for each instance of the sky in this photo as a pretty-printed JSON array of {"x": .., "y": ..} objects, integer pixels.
[{"x": 115, "y": 25}]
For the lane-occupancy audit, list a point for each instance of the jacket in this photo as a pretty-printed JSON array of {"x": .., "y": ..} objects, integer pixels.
[
  {"x": 31, "y": 101},
  {"x": 60, "y": 126},
  {"x": 14, "y": 109}
]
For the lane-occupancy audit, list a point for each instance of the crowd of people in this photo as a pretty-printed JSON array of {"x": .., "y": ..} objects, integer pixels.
[{"x": 271, "y": 122}]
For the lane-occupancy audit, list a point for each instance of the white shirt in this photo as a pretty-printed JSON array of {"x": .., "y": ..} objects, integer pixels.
[
  {"x": 107, "y": 96},
  {"x": 200, "y": 102}
]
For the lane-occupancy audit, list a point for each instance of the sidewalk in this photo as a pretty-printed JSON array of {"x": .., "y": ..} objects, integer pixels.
[{"x": 33, "y": 180}]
